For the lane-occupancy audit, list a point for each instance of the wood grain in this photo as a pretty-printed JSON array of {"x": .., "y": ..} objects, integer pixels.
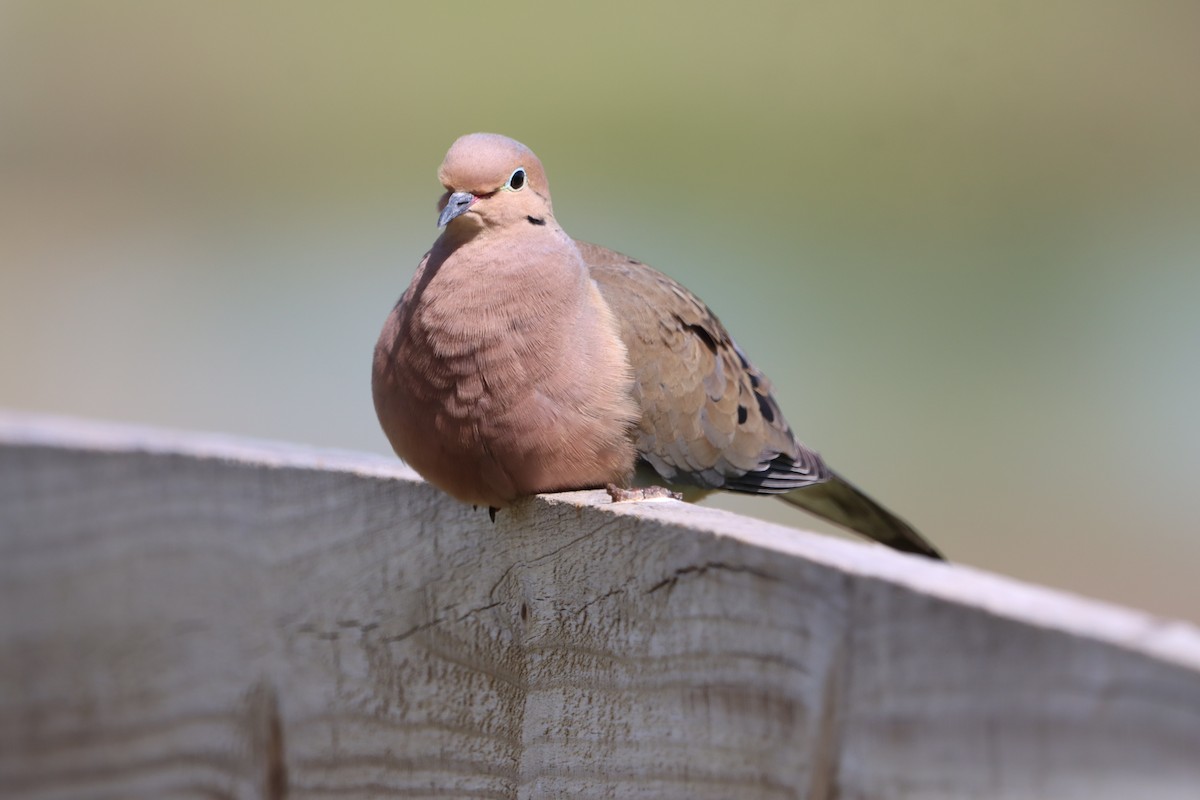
[{"x": 200, "y": 616}]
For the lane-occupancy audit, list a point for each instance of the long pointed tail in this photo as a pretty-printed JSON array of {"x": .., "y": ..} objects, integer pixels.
[{"x": 840, "y": 502}]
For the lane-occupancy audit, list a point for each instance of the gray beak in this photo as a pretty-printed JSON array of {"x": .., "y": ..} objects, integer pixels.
[{"x": 456, "y": 205}]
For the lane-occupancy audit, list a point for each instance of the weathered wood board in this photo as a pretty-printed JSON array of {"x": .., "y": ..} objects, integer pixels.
[{"x": 200, "y": 616}]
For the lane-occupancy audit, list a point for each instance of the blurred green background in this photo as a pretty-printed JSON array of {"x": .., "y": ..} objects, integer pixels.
[{"x": 961, "y": 237}]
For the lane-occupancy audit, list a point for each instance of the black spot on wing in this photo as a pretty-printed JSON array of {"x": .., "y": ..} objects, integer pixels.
[
  {"x": 765, "y": 406},
  {"x": 743, "y": 414},
  {"x": 703, "y": 335}
]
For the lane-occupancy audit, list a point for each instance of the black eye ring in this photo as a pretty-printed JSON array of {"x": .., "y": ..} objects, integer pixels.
[{"x": 516, "y": 181}]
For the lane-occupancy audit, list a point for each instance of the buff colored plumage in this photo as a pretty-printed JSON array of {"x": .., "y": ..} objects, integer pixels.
[{"x": 521, "y": 361}]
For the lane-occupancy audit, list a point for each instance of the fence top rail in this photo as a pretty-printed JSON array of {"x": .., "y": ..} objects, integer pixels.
[{"x": 1173, "y": 641}]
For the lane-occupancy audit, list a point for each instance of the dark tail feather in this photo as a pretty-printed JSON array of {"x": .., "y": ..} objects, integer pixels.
[{"x": 838, "y": 501}]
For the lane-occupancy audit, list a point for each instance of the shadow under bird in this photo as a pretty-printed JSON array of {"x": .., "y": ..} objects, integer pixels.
[{"x": 521, "y": 361}]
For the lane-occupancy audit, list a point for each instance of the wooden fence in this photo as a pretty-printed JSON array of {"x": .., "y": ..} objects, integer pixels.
[{"x": 201, "y": 616}]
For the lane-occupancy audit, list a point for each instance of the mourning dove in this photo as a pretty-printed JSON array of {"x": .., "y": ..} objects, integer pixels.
[{"x": 521, "y": 361}]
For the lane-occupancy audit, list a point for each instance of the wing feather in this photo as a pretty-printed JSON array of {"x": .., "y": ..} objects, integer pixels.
[{"x": 708, "y": 415}]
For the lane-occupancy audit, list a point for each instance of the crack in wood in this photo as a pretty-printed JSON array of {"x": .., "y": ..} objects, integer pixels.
[{"x": 700, "y": 569}]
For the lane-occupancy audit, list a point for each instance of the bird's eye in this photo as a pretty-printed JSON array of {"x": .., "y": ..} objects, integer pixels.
[{"x": 516, "y": 181}]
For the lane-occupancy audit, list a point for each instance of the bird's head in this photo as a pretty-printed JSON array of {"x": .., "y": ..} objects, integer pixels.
[{"x": 492, "y": 181}]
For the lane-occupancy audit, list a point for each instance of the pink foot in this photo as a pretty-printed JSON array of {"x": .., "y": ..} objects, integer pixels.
[{"x": 620, "y": 495}]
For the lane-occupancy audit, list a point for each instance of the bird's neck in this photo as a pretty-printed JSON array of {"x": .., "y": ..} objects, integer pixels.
[
  {"x": 523, "y": 256},
  {"x": 492, "y": 284}
]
